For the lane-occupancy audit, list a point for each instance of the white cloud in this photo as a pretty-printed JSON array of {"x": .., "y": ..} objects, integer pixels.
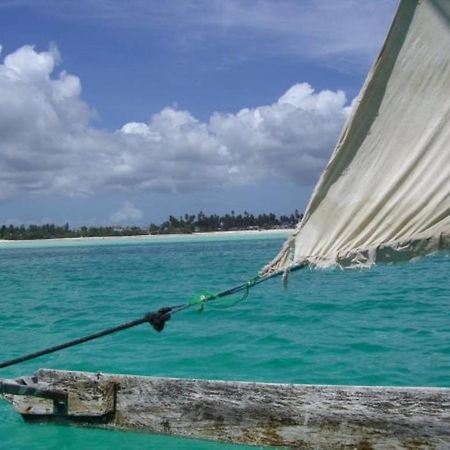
[
  {"x": 126, "y": 214},
  {"x": 290, "y": 138},
  {"x": 47, "y": 143},
  {"x": 338, "y": 33},
  {"x": 351, "y": 31}
]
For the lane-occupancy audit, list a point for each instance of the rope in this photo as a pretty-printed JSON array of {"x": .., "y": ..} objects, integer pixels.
[{"x": 156, "y": 319}]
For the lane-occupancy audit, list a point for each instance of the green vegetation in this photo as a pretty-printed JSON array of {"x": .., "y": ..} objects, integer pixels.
[
  {"x": 50, "y": 231},
  {"x": 201, "y": 223},
  {"x": 187, "y": 224}
]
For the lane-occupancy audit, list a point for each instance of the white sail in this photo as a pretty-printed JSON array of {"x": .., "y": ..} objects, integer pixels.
[{"x": 385, "y": 193}]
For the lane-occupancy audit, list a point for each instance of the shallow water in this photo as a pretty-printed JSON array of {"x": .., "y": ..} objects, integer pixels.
[{"x": 383, "y": 326}]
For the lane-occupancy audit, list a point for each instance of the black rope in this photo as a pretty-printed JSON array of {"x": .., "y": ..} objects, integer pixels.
[{"x": 156, "y": 319}]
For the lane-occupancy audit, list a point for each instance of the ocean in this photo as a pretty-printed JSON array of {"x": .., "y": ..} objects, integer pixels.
[{"x": 389, "y": 325}]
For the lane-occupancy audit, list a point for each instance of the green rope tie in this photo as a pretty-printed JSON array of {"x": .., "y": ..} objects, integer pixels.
[
  {"x": 250, "y": 283},
  {"x": 200, "y": 300}
]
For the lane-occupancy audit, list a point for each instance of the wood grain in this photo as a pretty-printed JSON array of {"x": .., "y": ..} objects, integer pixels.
[{"x": 301, "y": 416}]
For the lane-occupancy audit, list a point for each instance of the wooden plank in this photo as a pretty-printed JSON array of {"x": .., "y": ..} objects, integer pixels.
[
  {"x": 301, "y": 416},
  {"x": 30, "y": 388},
  {"x": 85, "y": 397}
]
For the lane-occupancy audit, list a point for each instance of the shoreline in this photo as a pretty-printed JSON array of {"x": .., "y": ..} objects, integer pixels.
[{"x": 144, "y": 237}]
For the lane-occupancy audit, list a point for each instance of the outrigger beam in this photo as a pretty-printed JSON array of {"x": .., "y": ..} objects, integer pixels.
[{"x": 288, "y": 415}]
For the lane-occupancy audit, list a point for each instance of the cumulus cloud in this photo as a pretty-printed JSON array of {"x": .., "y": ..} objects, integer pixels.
[
  {"x": 127, "y": 213},
  {"x": 48, "y": 144}
]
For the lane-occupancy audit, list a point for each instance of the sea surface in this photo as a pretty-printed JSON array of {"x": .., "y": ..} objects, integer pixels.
[{"x": 389, "y": 325}]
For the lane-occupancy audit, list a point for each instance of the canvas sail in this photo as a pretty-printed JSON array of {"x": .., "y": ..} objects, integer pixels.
[{"x": 385, "y": 193}]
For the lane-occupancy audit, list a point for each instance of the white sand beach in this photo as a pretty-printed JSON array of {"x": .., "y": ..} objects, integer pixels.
[{"x": 286, "y": 232}]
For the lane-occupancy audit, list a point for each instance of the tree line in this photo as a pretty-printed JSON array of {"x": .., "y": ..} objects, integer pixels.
[
  {"x": 189, "y": 223},
  {"x": 229, "y": 222}
]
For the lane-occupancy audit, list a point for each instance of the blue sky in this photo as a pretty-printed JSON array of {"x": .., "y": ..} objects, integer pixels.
[{"x": 126, "y": 112}]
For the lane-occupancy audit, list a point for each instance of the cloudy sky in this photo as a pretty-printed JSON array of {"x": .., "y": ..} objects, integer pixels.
[{"x": 126, "y": 112}]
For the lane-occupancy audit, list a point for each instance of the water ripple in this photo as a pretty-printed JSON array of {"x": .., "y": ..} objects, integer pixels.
[{"x": 384, "y": 326}]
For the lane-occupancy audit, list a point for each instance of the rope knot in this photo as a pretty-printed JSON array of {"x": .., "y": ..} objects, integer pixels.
[{"x": 158, "y": 319}]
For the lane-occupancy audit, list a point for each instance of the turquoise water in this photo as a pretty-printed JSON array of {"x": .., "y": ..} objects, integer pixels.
[{"x": 384, "y": 326}]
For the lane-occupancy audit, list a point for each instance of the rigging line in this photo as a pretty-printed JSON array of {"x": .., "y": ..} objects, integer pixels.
[{"x": 156, "y": 319}]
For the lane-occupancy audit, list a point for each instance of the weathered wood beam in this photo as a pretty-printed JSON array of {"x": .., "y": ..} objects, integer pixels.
[
  {"x": 29, "y": 387},
  {"x": 301, "y": 416},
  {"x": 85, "y": 398}
]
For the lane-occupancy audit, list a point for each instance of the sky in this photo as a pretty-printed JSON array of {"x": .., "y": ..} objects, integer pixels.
[{"x": 124, "y": 113}]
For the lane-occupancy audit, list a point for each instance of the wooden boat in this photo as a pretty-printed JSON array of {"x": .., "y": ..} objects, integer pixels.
[
  {"x": 384, "y": 196},
  {"x": 300, "y": 416}
]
